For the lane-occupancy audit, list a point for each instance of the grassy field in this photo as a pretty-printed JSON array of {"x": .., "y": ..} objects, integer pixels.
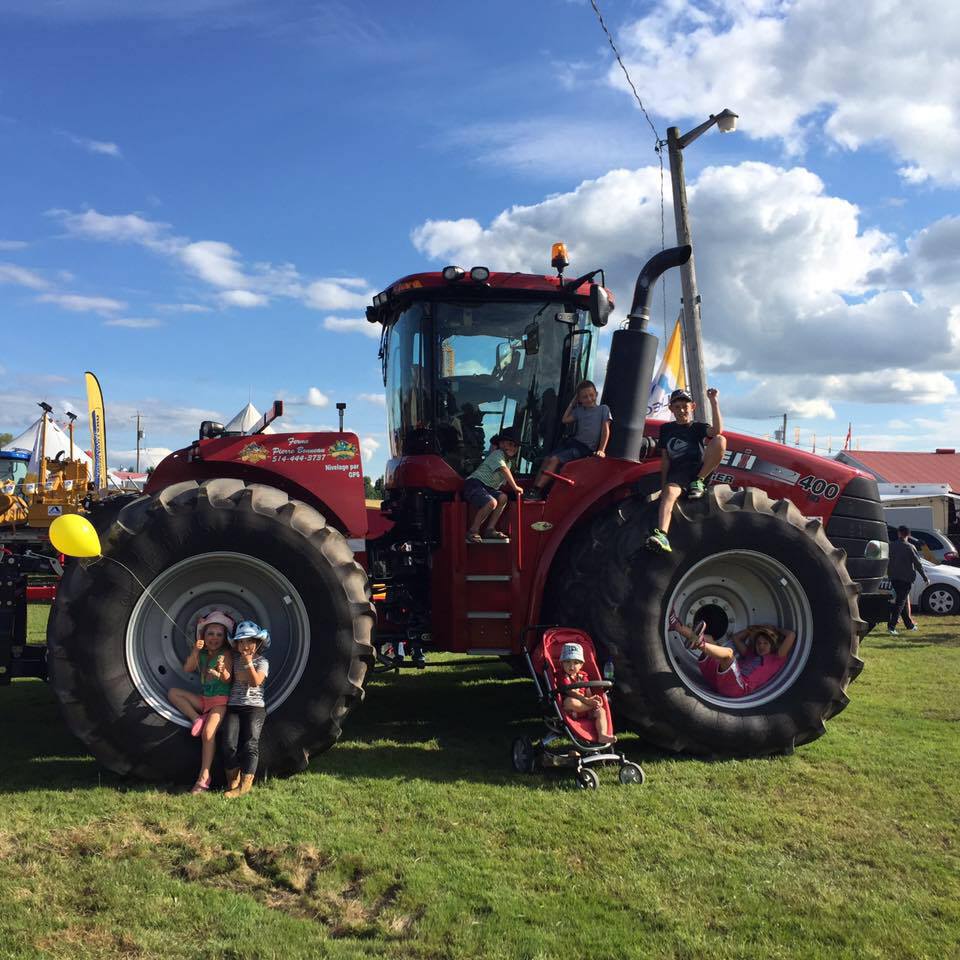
[{"x": 413, "y": 839}]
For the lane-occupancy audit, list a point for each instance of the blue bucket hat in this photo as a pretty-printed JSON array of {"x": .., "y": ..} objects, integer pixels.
[{"x": 248, "y": 630}]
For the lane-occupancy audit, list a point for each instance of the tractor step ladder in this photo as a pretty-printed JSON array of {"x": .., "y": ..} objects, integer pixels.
[{"x": 486, "y": 590}]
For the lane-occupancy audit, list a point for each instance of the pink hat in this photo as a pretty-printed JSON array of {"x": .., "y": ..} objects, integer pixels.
[{"x": 215, "y": 616}]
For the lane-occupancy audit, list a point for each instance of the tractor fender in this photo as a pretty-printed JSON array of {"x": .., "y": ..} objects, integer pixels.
[
  {"x": 341, "y": 507},
  {"x": 599, "y": 483}
]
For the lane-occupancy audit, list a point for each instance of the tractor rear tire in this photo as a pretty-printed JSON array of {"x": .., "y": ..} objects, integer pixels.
[
  {"x": 737, "y": 558},
  {"x": 248, "y": 548}
]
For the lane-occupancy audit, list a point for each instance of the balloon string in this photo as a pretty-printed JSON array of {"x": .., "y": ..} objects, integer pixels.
[{"x": 143, "y": 587}]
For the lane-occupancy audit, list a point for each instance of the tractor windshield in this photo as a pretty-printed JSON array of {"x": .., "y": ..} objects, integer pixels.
[{"x": 458, "y": 373}]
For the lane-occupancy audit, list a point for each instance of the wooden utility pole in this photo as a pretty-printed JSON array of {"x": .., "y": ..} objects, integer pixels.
[
  {"x": 688, "y": 275},
  {"x": 139, "y": 438}
]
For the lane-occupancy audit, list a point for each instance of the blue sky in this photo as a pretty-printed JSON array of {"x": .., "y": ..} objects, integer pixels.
[{"x": 197, "y": 197}]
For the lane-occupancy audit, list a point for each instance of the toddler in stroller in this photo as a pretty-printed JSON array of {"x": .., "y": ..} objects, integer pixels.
[{"x": 575, "y": 709}]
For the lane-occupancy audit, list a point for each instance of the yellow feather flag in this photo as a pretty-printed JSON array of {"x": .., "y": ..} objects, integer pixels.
[
  {"x": 671, "y": 375},
  {"x": 98, "y": 430}
]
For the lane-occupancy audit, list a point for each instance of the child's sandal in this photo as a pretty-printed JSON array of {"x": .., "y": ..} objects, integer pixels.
[
  {"x": 474, "y": 538},
  {"x": 201, "y": 786},
  {"x": 495, "y": 535}
]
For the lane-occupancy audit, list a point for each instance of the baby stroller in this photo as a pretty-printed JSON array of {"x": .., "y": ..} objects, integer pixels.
[{"x": 553, "y": 750}]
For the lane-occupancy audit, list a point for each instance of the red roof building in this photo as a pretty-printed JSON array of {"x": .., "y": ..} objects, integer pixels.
[{"x": 941, "y": 467}]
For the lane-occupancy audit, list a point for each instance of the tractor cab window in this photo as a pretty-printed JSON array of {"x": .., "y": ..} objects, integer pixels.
[
  {"x": 406, "y": 375},
  {"x": 501, "y": 365}
]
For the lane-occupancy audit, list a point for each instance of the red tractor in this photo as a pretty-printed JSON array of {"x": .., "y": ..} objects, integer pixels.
[{"x": 274, "y": 528}]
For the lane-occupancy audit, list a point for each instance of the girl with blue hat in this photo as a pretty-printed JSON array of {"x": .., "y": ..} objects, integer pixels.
[{"x": 247, "y": 708}]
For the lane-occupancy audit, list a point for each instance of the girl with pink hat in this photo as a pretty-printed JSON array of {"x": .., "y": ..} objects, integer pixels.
[{"x": 212, "y": 658}]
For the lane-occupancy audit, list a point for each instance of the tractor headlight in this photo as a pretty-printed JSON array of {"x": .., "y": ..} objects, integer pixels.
[
  {"x": 877, "y": 550},
  {"x": 452, "y": 273},
  {"x": 480, "y": 274}
]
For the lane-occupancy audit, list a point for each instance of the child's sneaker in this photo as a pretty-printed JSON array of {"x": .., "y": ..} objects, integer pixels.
[
  {"x": 893, "y": 631},
  {"x": 914, "y": 627},
  {"x": 696, "y": 490},
  {"x": 658, "y": 541}
]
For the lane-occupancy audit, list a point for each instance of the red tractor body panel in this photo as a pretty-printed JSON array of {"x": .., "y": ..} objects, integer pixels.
[
  {"x": 484, "y": 596},
  {"x": 320, "y": 468},
  {"x": 506, "y": 282}
]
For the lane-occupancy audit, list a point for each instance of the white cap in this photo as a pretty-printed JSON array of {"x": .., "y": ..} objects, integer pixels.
[{"x": 572, "y": 651}]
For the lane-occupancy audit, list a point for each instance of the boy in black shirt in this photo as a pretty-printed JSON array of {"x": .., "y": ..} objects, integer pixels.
[{"x": 684, "y": 462}]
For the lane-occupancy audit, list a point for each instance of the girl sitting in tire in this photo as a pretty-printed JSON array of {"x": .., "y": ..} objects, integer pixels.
[
  {"x": 211, "y": 657},
  {"x": 761, "y": 653},
  {"x": 241, "y": 736}
]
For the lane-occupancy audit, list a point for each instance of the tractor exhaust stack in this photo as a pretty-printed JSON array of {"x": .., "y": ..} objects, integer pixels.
[{"x": 633, "y": 353}]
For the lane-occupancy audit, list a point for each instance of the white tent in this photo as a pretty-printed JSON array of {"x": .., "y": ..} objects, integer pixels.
[
  {"x": 245, "y": 419},
  {"x": 56, "y": 443}
]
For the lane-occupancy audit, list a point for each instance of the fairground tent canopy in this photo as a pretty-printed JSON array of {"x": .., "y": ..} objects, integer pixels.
[
  {"x": 245, "y": 419},
  {"x": 56, "y": 444}
]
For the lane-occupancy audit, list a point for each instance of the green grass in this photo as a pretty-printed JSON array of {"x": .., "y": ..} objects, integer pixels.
[{"x": 413, "y": 839}]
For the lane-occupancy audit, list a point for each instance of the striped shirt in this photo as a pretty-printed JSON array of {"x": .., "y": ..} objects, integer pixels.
[{"x": 243, "y": 694}]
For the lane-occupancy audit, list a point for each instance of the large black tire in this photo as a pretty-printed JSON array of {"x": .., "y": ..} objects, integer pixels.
[
  {"x": 222, "y": 543},
  {"x": 739, "y": 556}
]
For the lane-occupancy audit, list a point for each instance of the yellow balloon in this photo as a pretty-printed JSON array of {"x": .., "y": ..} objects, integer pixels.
[{"x": 75, "y": 536}]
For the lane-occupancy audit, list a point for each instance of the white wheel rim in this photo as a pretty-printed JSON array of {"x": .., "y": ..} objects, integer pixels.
[
  {"x": 245, "y": 587},
  {"x": 748, "y": 588}
]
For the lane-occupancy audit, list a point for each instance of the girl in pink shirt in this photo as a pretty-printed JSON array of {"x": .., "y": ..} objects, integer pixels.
[{"x": 761, "y": 652}]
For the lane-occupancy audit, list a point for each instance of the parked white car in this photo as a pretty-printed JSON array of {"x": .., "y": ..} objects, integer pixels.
[{"x": 942, "y": 596}]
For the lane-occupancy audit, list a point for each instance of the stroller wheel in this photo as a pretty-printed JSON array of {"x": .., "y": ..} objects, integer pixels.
[
  {"x": 524, "y": 756},
  {"x": 587, "y": 779},
  {"x": 631, "y": 773}
]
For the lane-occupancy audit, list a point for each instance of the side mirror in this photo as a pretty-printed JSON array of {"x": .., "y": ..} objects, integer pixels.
[
  {"x": 531, "y": 340},
  {"x": 600, "y": 306}
]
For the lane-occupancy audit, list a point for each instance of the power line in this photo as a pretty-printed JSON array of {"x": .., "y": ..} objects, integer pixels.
[{"x": 658, "y": 147}]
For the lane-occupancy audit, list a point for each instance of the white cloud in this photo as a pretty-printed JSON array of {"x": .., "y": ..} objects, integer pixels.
[
  {"x": 873, "y": 73},
  {"x": 242, "y": 298},
  {"x": 218, "y": 264},
  {"x": 119, "y": 228},
  {"x": 104, "y": 147},
  {"x": 542, "y": 146},
  {"x": 183, "y": 308},
  {"x": 134, "y": 323},
  {"x": 369, "y": 446},
  {"x": 796, "y": 294},
  {"x": 317, "y": 399},
  {"x": 334, "y": 295},
  {"x": 13, "y": 244},
  {"x": 377, "y": 399},
  {"x": 11, "y": 273},
  {"x": 352, "y": 325},
  {"x": 215, "y": 262},
  {"x": 82, "y": 304}
]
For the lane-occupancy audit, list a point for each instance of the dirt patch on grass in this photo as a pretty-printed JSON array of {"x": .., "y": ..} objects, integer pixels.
[
  {"x": 298, "y": 880},
  {"x": 307, "y": 883},
  {"x": 88, "y": 940}
]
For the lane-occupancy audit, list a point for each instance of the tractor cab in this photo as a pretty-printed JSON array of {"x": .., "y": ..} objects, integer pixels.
[{"x": 466, "y": 355}]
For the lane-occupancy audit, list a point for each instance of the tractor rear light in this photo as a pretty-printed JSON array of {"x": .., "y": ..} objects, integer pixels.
[
  {"x": 480, "y": 274},
  {"x": 452, "y": 273}
]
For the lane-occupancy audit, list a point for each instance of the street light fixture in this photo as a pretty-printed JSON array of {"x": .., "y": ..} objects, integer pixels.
[{"x": 726, "y": 121}]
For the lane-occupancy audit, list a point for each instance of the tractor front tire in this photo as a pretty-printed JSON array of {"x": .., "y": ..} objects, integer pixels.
[
  {"x": 247, "y": 548},
  {"x": 737, "y": 558}
]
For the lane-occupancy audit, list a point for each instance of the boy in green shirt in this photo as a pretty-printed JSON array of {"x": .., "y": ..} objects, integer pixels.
[{"x": 482, "y": 488}]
